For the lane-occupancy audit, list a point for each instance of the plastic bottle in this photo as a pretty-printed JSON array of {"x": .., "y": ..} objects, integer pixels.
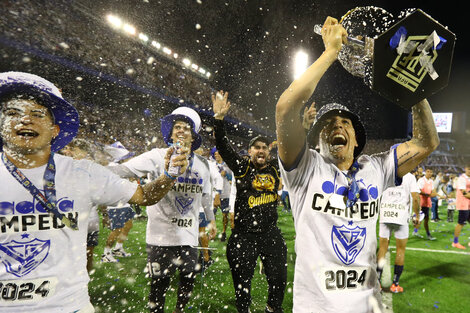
[{"x": 175, "y": 170}]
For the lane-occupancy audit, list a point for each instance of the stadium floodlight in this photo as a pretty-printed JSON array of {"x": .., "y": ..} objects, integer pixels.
[
  {"x": 186, "y": 62},
  {"x": 175, "y": 55},
  {"x": 202, "y": 71},
  {"x": 300, "y": 63},
  {"x": 115, "y": 21},
  {"x": 167, "y": 50},
  {"x": 208, "y": 74},
  {"x": 156, "y": 44},
  {"x": 194, "y": 66},
  {"x": 143, "y": 37},
  {"x": 129, "y": 29}
]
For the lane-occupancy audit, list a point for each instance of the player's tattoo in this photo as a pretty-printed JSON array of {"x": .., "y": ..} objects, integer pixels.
[{"x": 401, "y": 159}]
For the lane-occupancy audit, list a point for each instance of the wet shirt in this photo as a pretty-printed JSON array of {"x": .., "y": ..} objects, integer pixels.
[
  {"x": 395, "y": 204},
  {"x": 43, "y": 262},
  {"x": 227, "y": 179},
  {"x": 335, "y": 269},
  {"x": 463, "y": 184},
  {"x": 174, "y": 220},
  {"x": 425, "y": 185},
  {"x": 256, "y": 200}
]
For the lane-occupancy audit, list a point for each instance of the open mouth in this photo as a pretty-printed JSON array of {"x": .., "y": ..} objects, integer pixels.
[
  {"x": 260, "y": 158},
  {"x": 27, "y": 133},
  {"x": 338, "y": 141}
]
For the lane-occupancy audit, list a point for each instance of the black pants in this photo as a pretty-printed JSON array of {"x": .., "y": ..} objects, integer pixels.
[
  {"x": 243, "y": 250},
  {"x": 162, "y": 264}
]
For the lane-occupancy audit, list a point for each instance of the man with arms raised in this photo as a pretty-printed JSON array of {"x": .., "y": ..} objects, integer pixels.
[
  {"x": 255, "y": 233},
  {"x": 335, "y": 193},
  {"x": 46, "y": 199}
]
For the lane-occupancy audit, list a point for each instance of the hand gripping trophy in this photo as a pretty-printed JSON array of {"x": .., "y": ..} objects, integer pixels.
[{"x": 404, "y": 60}]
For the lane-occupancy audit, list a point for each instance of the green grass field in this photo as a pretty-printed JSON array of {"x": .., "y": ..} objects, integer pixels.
[{"x": 436, "y": 277}]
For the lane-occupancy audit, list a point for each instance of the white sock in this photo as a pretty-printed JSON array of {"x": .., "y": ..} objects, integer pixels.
[
  {"x": 107, "y": 250},
  {"x": 118, "y": 245}
]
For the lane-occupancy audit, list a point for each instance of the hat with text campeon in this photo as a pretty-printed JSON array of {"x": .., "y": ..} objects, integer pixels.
[
  {"x": 329, "y": 110},
  {"x": 182, "y": 114},
  {"x": 26, "y": 84}
]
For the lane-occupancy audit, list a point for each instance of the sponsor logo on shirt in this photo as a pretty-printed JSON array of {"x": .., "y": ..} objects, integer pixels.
[
  {"x": 263, "y": 199},
  {"x": 22, "y": 257},
  {"x": 264, "y": 182}
]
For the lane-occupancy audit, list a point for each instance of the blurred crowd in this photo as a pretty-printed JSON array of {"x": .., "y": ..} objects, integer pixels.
[{"x": 65, "y": 29}]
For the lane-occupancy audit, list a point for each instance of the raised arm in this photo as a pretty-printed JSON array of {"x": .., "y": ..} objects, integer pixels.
[
  {"x": 154, "y": 191},
  {"x": 424, "y": 141},
  {"x": 290, "y": 132},
  {"x": 221, "y": 105}
]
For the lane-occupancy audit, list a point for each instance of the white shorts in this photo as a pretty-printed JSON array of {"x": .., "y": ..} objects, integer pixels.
[{"x": 401, "y": 231}]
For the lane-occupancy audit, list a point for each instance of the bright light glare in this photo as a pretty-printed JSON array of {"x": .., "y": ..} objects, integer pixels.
[
  {"x": 143, "y": 37},
  {"x": 186, "y": 62},
  {"x": 202, "y": 71},
  {"x": 208, "y": 74},
  {"x": 166, "y": 50},
  {"x": 300, "y": 63},
  {"x": 194, "y": 66},
  {"x": 156, "y": 44},
  {"x": 114, "y": 21},
  {"x": 129, "y": 29}
]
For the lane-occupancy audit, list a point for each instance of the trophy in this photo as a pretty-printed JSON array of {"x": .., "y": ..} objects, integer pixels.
[{"x": 404, "y": 61}]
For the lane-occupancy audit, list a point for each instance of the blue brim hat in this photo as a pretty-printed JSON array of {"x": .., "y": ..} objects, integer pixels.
[
  {"x": 47, "y": 95},
  {"x": 329, "y": 110},
  {"x": 182, "y": 114}
]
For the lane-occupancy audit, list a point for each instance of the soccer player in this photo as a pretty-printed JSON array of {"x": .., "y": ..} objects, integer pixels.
[
  {"x": 46, "y": 198},
  {"x": 335, "y": 192},
  {"x": 463, "y": 205},
  {"x": 255, "y": 233},
  {"x": 172, "y": 227},
  {"x": 227, "y": 176},
  {"x": 119, "y": 219},
  {"x": 425, "y": 185},
  {"x": 395, "y": 205}
]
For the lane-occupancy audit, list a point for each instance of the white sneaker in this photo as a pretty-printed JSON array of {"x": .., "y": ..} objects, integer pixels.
[
  {"x": 120, "y": 253},
  {"x": 108, "y": 258}
]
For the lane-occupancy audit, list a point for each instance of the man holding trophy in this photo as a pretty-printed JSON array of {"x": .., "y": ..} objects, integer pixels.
[{"x": 335, "y": 192}]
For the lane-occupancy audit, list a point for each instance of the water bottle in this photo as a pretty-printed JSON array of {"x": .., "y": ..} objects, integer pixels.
[{"x": 175, "y": 170}]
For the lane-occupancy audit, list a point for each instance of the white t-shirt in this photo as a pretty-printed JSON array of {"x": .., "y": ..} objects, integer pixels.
[
  {"x": 93, "y": 220},
  {"x": 335, "y": 269},
  {"x": 216, "y": 181},
  {"x": 42, "y": 259},
  {"x": 227, "y": 184},
  {"x": 174, "y": 220},
  {"x": 233, "y": 196},
  {"x": 395, "y": 203}
]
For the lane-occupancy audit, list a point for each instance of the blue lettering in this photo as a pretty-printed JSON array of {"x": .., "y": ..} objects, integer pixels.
[
  {"x": 7, "y": 208},
  {"x": 24, "y": 207},
  {"x": 27, "y": 207}
]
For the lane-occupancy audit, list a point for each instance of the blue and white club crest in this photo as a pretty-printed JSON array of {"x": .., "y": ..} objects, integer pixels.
[
  {"x": 184, "y": 204},
  {"x": 21, "y": 258},
  {"x": 348, "y": 242}
]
